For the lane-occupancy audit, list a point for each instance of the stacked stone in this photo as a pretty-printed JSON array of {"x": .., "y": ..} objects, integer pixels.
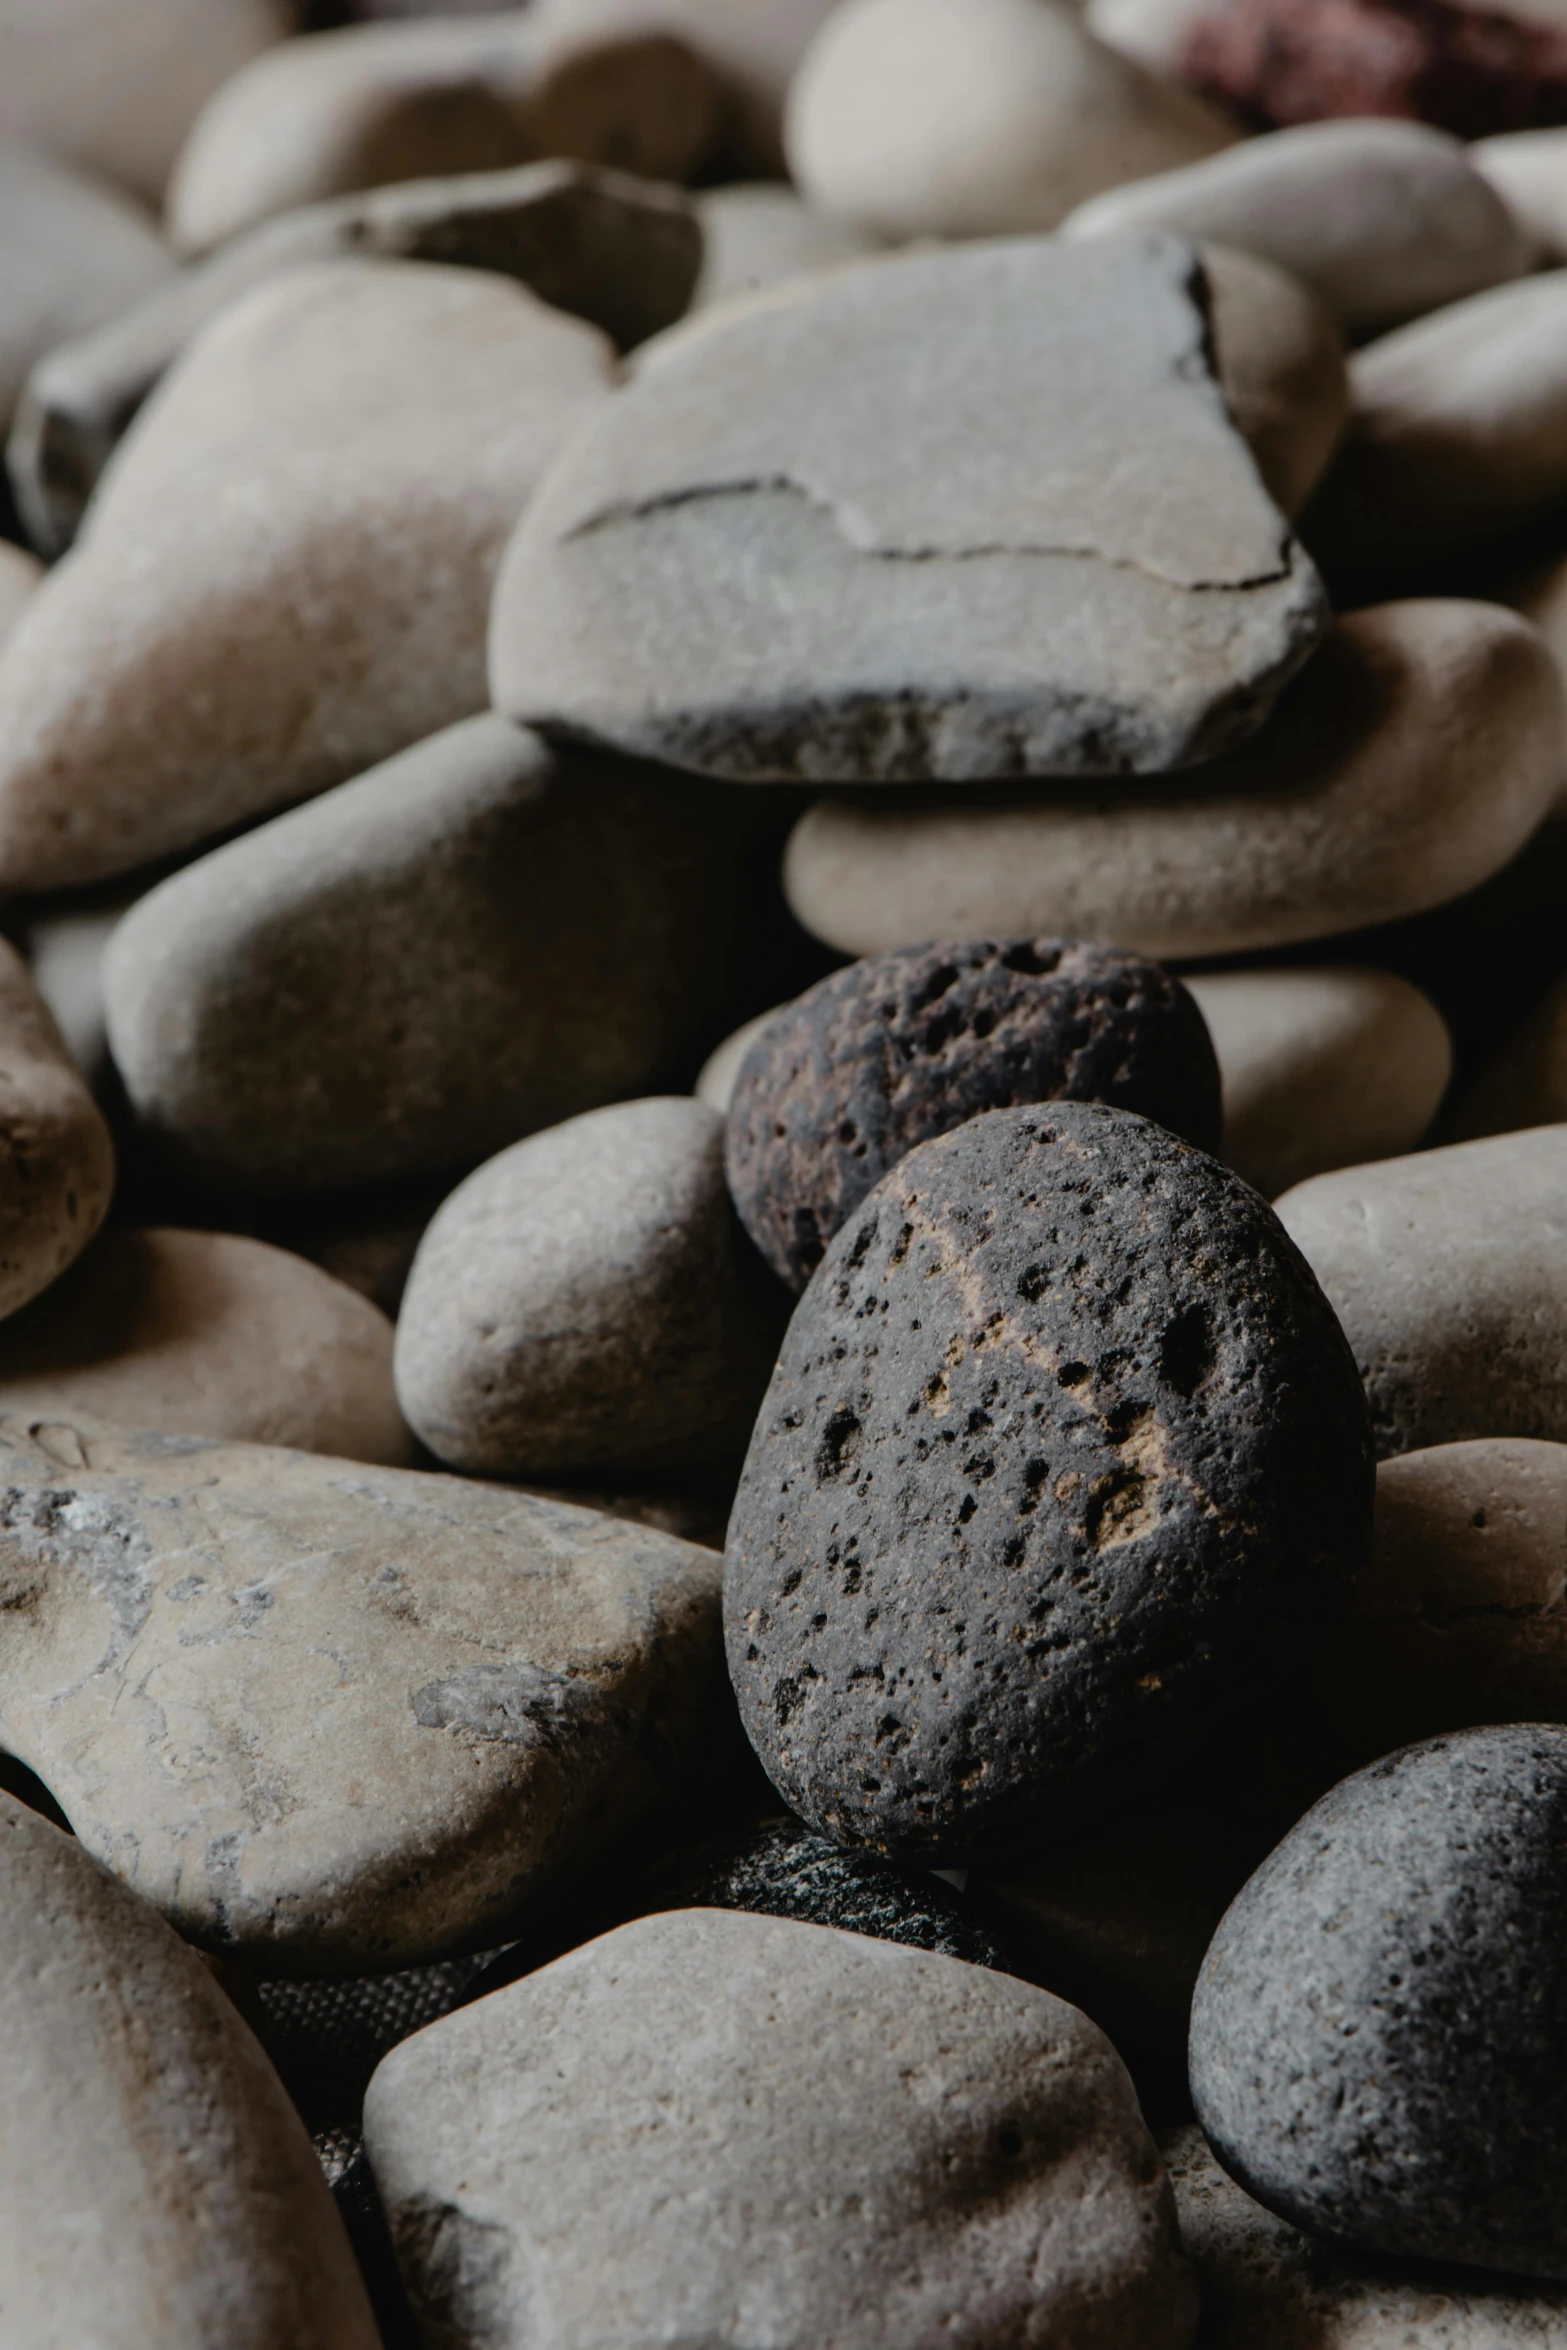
[{"x": 783, "y": 1209}]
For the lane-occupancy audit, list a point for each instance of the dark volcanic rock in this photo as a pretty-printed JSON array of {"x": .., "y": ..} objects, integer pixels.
[
  {"x": 1065, "y": 1452},
  {"x": 1378, "y": 2029},
  {"x": 1472, "y": 70},
  {"x": 843, "y": 1083}
]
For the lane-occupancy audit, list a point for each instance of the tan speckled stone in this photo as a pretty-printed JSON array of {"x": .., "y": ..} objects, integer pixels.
[
  {"x": 208, "y": 1334},
  {"x": 56, "y": 1156}
]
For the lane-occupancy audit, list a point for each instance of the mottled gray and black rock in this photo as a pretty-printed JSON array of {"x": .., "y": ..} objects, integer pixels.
[
  {"x": 1378, "y": 2029},
  {"x": 1064, "y": 1451},
  {"x": 844, "y": 1082}
]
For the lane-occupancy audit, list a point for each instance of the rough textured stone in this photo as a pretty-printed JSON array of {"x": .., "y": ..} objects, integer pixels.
[
  {"x": 482, "y": 938},
  {"x": 757, "y": 234},
  {"x": 20, "y": 575},
  {"x": 715, "y": 1084},
  {"x": 115, "y": 89},
  {"x": 288, "y": 575},
  {"x": 1524, "y": 1083},
  {"x": 843, "y": 1083},
  {"x": 1461, "y": 1615},
  {"x": 56, "y": 1156},
  {"x": 159, "y": 2185},
  {"x": 72, "y": 253},
  {"x": 1449, "y": 1275},
  {"x": 907, "y": 2150},
  {"x": 209, "y": 1334},
  {"x": 1416, "y": 755},
  {"x": 1280, "y": 364},
  {"x": 332, "y": 1716},
  {"x": 1383, "y": 220},
  {"x": 1472, "y": 69},
  {"x": 1528, "y": 170},
  {"x": 378, "y": 103},
  {"x": 964, "y": 118},
  {"x": 1063, "y": 1448},
  {"x": 616, "y": 251},
  {"x": 1264, "y": 2282},
  {"x": 749, "y": 565},
  {"x": 1459, "y": 432},
  {"x": 1321, "y": 1068},
  {"x": 1376, "y": 2028},
  {"x": 587, "y": 1305}
]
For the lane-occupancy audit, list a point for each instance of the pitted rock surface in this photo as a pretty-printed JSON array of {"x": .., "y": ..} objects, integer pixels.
[
  {"x": 951, "y": 515},
  {"x": 1064, "y": 1449},
  {"x": 336, "y": 1716},
  {"x": 1377, "y": 2030},
  {"x": 844, "y": 1082}
]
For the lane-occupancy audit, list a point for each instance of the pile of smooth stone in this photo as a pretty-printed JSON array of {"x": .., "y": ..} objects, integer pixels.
[{"x": 783, "y": 1175}]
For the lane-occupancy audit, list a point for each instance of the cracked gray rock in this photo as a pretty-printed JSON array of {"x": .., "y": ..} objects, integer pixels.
[
  {"x": 160, "y": 2187},
  {"x": 616, "y": 251},
  {"x": 712, "y": 2129},
  {"x": 1448, "y": 1272},
  {"x": 334, "y": 1717},
  {"x": 950, "y": 515}
]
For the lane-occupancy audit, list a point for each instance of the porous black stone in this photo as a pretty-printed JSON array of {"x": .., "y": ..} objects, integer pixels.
[
  {"x": 1065, "y": 1454},
  {"x": 1379, "y": 2033},
  {"x": 875, "y": 1059}
]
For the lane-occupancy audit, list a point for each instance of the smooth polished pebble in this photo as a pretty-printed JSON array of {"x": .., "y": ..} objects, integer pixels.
[
  {"x": 720, "y": 570},
  {"x": 1522, "y": 1083},
  {"x": 1321, "y": 1068},
  {"x": 209, "y": 1334},
  {"x": 1528, "y": 170},
  {"x": 587, "y": 1305},
  {"x": 114, "y": 89},
  {"x": 490, "y": 936},
  {"x": 20, "y": 577},
  {"x": 1458, "y": 432},
  {"x": 336, "y": 1717},
  {"x": 977, "y": 118},
  {"x": 73, "y": 252},
  {"x": 1383, "y": 220},
  {"x": 1265, "y": 2283},
  {"x": 288, "y": 575},
  {"x": 56, "y": 1154},
  {"x": 375, "y": 103},
  {"x": 759, "y": 234},
  {"x": 1418, "y": 752},
  {"x": 846, "y": 2140},
  {"x": 64, "y": 947},
  {"x": 1448, "y": 1271},
  {"x": 715, "y": 1083},
  {"x": 1376, "y": 2026},
  {"x": 1460, "y": 1616},
  {"x": 1063, "y": 1455},
  {"x": 1152, "y": 31},
  {"x": 619, "y": 252},
  {"x": 160, "y": 2187},
  {"x": 1280, "y": 362}
]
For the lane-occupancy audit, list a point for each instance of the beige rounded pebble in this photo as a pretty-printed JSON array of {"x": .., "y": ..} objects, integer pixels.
[
  {"x": 381, "y": 102},
  {"x": 1528, "y": 170},
  {"x": 1448, "y": 1271},
  {"x": 20, "y": 577},
  {"x": 707, "y": 2113},
  {"x": 1266, "y": 2286},
  {"x": 1459, "y": 430},
  {"x": 114, "y": 85},
  {"x": 716, "y": 1080},
  {"x": 1414, "y": 756},
  {"x": 1280, "y": 361},
  {"x": 159, "y": 2186},
  {"x": 1461, "y": 1616},
  {"x": 286, "y": 573},
  {"x": 973, "y": 118},
  {"x": 56, "y": 1156},
  {"x": 209, "y": 1334},
  {"x": 1322, "y": 1068},
  {"x": 1383, "y": 220},
  {"x": 758, "y": 235},
  {"x": 1540, "y": 593},
  {"x": 1524, "y": 1083}
]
